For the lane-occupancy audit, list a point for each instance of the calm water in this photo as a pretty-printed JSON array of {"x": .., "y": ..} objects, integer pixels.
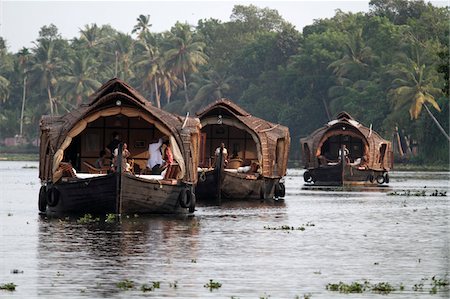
[{"x": 348, "y": 236}]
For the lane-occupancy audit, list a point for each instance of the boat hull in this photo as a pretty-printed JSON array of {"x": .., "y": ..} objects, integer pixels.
[
  {"x": 102, "y": 195},
  {"x": 347, "y": 176},
  {"x": 237, "y": 186}
]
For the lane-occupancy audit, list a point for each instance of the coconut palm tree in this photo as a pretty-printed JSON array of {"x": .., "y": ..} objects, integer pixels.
[
  {"x": 79, "y": 80},
  {"x": 357, "y": 58},
  {"x": 414, "y": 88},
  {"x": 143, "y": 26},
  {"x": 44, "y": 68},
  {"x": 122, "y": 47},
  {"x": 4, "y": 89},
  {"x": 184, "y": 54}
]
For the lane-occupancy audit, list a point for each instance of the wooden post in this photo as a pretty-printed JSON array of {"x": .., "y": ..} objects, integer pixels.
[{"x": 119, "y": 179}]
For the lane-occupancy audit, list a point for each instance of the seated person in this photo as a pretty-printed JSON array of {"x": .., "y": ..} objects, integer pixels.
[
  {"x": 155, "y": 160},
  {"x": 125, "y": 154},
  {"x": 101, "y": 162}
]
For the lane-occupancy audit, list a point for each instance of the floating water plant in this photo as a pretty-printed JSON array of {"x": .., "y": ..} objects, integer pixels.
[
  {"x": 87, "y": 218},
  {"x": 173, "y": 284},
  {"x": 382, "y": 288},
  {"x": 125, "y": 284},
  {"x": 211, "y": 285},
  {"x": 417, "y": 193},
  {"x": 149, "y": 288},
  {"x": 288, "y": 227},
  {"x": 110, "y": 218},
  {"x": 8, "y": 286},
  {"x": 16, "y": 271},
  {"x": 354, "y": 287}
]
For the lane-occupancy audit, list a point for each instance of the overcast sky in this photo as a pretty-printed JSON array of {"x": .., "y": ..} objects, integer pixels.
[{"x": 20, "y": 21}]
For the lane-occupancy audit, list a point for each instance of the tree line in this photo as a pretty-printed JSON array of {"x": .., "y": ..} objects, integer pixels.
[{"x": 388, "y": 68}]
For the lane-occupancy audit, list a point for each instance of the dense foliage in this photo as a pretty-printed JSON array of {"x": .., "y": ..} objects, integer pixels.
[{"x": 382, "y": 67}]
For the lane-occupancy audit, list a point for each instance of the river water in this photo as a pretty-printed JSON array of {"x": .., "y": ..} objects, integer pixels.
[{"x": 336, "y": 235}]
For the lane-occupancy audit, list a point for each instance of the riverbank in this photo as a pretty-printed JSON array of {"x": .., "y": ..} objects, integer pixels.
[{"x": 19, "y": 157}]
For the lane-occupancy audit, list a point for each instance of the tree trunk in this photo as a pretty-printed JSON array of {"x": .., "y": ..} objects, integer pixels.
[
  {"x": 23, "y": 105},
  {"x": 157, "y": 95},
  {"x": 185, "y": 88},
  {"x": 50, "y": 100},
  {"x": 437, "y": 123}
]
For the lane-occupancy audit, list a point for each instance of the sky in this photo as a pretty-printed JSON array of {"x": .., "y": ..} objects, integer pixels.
[{"x": 20, "y": 21}]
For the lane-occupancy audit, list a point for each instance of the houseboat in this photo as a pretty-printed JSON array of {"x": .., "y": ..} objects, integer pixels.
[
  {"x": 344, "y": 152},
  {"x": 240, "y": 156},
  {"x": 70, "y": 145}
]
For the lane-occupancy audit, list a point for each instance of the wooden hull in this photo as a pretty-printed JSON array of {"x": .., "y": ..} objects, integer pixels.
[
  {"x": 101, "y": 195},
  {"x": 343, "y": 176},
  {"x": 236, "y": 186}
]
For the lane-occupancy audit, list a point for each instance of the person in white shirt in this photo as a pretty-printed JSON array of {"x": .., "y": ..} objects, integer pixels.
[{"x": 155, "y": 160}]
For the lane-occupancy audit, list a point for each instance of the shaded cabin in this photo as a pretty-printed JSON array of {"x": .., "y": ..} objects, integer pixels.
[
  {"x": 249, "y": 140},
  {"x": 366, "y": 149},
  {"x": 78, "y": 137}
]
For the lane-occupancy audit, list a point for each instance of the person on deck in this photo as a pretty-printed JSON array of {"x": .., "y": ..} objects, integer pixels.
[
  {"x": 155, "y": 160},
  {"x": 125, "y": 155},
  {"x": 113, "y": 144},
  {"x": 224, "y": 153},
  {"x": 101, "y": 161}
]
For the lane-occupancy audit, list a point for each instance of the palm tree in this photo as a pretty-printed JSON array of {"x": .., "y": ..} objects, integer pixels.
[
  {"x": 414, "y": 88},
  {"x": 143, "y": 26},
  {"x": 122, "y": 47},
  {"x": 357, "y": 57},
  {"x": 44, "y": 68},
  {"x": 79, "y": 80},
  {"x": 24, "y": 57},
  {"x": 4, "y": 89},
  {"x": 184, "y": 54},
  {"x": 209, "y": 87}
]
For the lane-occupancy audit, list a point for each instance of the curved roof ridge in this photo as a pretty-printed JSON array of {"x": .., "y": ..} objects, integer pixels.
[{"x": 227, "y": 103}]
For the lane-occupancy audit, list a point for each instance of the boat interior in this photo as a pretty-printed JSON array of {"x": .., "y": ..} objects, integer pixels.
[
  {"x": 136, "y": 132},
  {"x": 328, "y": 151},
  {"x": 241, "y": 147}
]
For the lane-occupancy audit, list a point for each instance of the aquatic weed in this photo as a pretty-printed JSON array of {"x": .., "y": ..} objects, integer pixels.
[
  {"x": 87, "y": 218},
  {"x": 173, "y": 284},
  {"x": 148, "y": 288},
  {"x": 211, "y": 285},
  {"x": 8, "y": 286},
  {"x": 125, "y": 284},
  {"x": 354, "y": 287},
  {"x": 382, "y": 288},
  {"x": 110, "y": 218},
  {"x": 16, "y": 271}
]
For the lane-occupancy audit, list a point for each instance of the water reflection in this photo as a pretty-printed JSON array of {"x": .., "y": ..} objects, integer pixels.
[
  {"x": 357, "y": 235},
  {"x": 77, "y": 257}
]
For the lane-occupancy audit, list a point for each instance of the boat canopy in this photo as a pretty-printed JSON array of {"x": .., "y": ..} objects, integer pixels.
[
  {"x": 116, "y": 101},
  {"x": 362, "y": 143},
  {"x": 246, "y": 136}
]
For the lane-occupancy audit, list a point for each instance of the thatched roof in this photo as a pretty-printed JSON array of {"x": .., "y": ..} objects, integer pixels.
[
  {"x": 345, "y": 124},
  {"x": 113, "y": 98},
  {"x": 266, "y": 133}
]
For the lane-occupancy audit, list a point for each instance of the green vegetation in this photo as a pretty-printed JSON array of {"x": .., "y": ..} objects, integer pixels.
[
  {"x": 387, "y": 67},
  {"x": 150, "y": 288},
  {"x": 289, "y": 228},
  {"x": 111, "y": 218},
  {"x": 87, "y": 218},
  {"x": 211, "y": 285},
  {"x": 8, "y": 287},
  {"x": 125, "y": 284},
  {"x": 417, "y": 193},
  {"x": 384, "y": 288}
]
